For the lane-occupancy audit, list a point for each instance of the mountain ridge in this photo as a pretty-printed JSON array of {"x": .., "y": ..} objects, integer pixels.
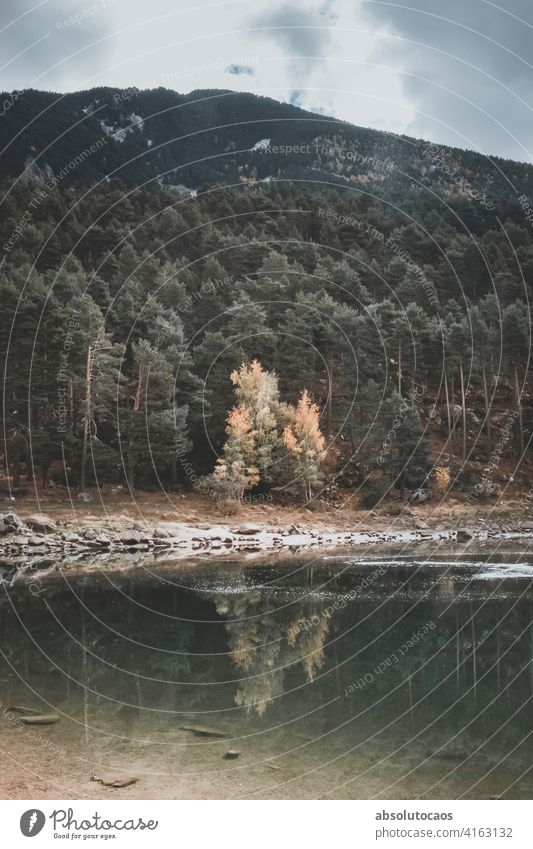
[{"x": 189, "y": 142}]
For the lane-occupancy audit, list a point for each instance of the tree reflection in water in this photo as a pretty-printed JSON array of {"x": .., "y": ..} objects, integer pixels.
[{"x": 262, "y": 646}]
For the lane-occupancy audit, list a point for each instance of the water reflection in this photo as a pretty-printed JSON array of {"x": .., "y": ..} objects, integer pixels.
[
  {"x": 417, "y": 673},
  {"x": 264, "y": 642}
]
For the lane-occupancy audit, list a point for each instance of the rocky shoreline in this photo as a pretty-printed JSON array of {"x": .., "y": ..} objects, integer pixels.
[{"x": 39, "y": 535}]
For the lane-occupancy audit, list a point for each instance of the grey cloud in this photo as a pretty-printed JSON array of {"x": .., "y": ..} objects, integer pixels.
[
  {"x": 300, "y": 31},
  {"x": 328, "y": 9},
  {"x": 449, "y": 65},
  {"x": 61, "y": 28}
]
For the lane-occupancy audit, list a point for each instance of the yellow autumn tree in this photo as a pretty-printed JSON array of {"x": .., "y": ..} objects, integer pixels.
[
  {"x": 260, "y": 429},
  {"x": 235, "y": 471},
  {"x": 257, "y": 393},
  {"x": 305, "y": 444}
]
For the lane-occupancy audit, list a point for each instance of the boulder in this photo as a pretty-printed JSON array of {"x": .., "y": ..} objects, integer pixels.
[
  {"x": 131, "y": 537},
  {"x": 421, "y": 525},
  {"x": 420, "y": 495},
  {"x": 36, "y": 541},
  {"x": 464, "y": 535},
  {"x": 40, "y": 719},
  {"x": 19, "y": 539},
  {"x": 41, "y": 523},
  {"x": 27, "y": 711},
  {"x": 231, "y": 755},
  {"x": 202, "y": 731},
  {"x": 12, "y": 521},
  {"x": 110, "y": 779},
  {"x": 85, "y": 497},
  {"x": 103, "y": 539},
  {"x": 72, "y": 537}
]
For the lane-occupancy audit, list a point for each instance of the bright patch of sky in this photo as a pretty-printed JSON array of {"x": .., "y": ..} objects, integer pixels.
[{"x": 457, "y": 73}]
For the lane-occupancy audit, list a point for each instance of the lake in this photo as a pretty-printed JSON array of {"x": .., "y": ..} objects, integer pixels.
[{"x": 345, "y": 674}]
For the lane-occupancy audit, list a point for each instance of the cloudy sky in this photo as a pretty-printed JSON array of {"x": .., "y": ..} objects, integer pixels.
[{"x": 459, "y": 72}]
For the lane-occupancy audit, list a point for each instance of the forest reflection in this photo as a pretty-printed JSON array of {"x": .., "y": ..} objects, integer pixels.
[{"x": 432, "y": 652}]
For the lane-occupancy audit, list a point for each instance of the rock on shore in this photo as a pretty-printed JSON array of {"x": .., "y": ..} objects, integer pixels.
[{"x": 41, "y": 535}]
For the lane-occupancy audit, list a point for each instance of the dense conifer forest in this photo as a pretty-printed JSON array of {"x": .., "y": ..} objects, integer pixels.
[{"x": 159, "y": 250}]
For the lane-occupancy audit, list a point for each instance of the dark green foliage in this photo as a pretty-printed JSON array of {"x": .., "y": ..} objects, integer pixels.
[{"x": 353, "y": 282}]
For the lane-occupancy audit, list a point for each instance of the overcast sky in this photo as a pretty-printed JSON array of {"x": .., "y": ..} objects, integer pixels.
[{"x": 458, "y": 72}]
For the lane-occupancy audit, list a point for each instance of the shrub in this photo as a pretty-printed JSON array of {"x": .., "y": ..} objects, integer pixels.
[{"x": 441, "y": 481}]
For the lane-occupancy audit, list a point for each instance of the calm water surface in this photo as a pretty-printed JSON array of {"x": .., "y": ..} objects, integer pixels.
[{"x": 338, "y": 676}]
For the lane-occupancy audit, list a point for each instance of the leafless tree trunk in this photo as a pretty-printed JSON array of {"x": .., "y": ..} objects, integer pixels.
[
  {"x": 448, "y": 414},
  {"x": 399, "y": 366},
  {"x": 463, "y": 405},
  {"x": 487, "y": 411},
  {"x": 518, "y": 407},
  {"x": 86, "y": 418}
]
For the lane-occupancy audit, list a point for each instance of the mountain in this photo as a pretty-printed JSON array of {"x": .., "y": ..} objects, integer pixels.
[
  {"x": 167, "y": 239},
  {"x": 158, "y": 138}
]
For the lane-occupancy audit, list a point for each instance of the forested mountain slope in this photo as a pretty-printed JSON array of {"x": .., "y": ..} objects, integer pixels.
[
  {"x": 207, "y": 137},
  {"x": 152, "y": 242}
]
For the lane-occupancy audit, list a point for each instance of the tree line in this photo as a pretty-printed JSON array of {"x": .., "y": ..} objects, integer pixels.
[{"x": 127, "y": 328}]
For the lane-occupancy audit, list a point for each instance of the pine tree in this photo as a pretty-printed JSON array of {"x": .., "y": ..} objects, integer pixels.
[
  {"x": 214, "y": 360},
  {"x": 96, "y": 380},
  {"x": 407, "y": 448},
  {"x": 247, "y": 328},
  {"x": 169, "y": 443},
  {"x": 150, "y": 413}
]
